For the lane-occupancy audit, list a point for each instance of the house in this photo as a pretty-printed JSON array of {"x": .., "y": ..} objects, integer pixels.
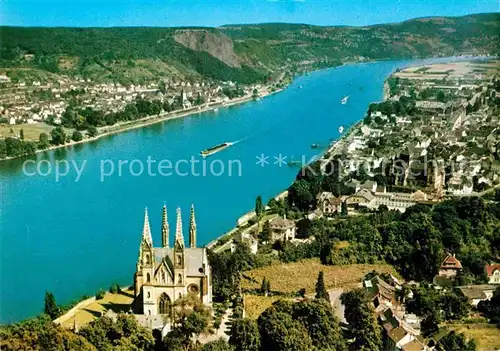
[
  {"x": 450, "y": 267},
  {"x": 400, "y": 335},
  {"x": 329, "y": 203},
  {"x": 282, "y": 228},
  {"x": 381, "y": 292},
  {"x": 362, "y": 197},
  {"x": 245, "y": 238},
  {"x": 493, "y": 273},
  {"x": 477, "y": 293}
]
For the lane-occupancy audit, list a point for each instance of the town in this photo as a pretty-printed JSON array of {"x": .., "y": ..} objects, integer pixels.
[
  {"x": 35, "y": 114},
  {"x": 436, "y": 135}
]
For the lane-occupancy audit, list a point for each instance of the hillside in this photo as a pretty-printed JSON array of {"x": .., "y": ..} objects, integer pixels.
[{"x": 241, "y": 53}]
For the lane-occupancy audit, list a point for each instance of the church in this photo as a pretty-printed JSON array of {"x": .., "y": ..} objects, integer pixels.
[{"x": 167, "y": 273}]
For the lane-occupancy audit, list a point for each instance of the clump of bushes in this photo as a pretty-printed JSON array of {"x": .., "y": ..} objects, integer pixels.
[{"x": 115, "y": 289}]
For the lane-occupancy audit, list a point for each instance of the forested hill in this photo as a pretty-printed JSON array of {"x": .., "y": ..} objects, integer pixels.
[{"x": 242, "y": 53}]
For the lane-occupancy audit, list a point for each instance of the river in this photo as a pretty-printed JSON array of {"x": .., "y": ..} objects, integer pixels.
[{"x": 72, "y": 236}]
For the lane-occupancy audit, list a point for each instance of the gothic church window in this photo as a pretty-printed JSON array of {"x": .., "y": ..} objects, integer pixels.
[
  {"x": 180, "y": 279},
  {"x": 164, "y": 304},
  {"x": 148, "y": 278},
  {"x": 148, "y": 259}
]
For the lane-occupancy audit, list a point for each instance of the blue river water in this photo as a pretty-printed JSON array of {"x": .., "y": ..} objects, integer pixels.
[{"x": 73, "y": 236}]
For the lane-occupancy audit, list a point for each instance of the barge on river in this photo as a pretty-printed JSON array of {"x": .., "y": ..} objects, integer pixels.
[{"x": 215, "y": 149}]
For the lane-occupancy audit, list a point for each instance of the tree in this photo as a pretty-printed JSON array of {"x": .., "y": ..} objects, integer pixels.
[
  {"x": 21, "y": 134},
  {"x": 245, "y": 335},
  {"x": 68, "y": 117},
  {"x": 321, "y": 292},
  {"x": 3, "y": 149},
  {"x": 200, "y": 100},
  {"x": 303, "y": 228},
  {"x": 430, "y": 324},
  {"x": 92, "y": 131},
  {"x": 218, "y": 345},
  {"x": 99, "y": 295},
  {"x": 491, "y": 308},
  {"x": 441, "y": 96},
  {"x": 265, "y": 234},
  {"x": 279, "y": 331},
  {"x": 58, "y": 135},
  {"x": 319, "y": 320},
  {"x": 115, "y": 289},
  {"x": 313, "y": 321},
  {"x": 259, "y": 207},
  {"x": 263, "y": 287},
  {"x": 455, "y": 342},
  {"x": 43, "y": 141},
  {"x": 162, "y": 87},
  {"x": 29, "y": 147},
  {"x": 268, "y": 286},
  {"x": 77, "y": 136},
  {"x": 454, "y": 306},
  {"x": 344, "y": 211},
  {"x": 300, "y": 195},
  {"x": 124, "y": 334},
  {"x": 191, "y": 317},
  {"x": 40, "y": 334},
  {"x": 50, "y": 307},
  {"x": 14, "y": 147},
  {"x": 363, "y": 325}
]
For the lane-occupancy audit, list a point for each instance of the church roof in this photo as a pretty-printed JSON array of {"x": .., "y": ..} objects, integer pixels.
[{"x": 195, "y": 258}]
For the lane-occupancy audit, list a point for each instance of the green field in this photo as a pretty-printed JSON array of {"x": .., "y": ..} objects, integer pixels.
[{"x": 31, "y": 131}]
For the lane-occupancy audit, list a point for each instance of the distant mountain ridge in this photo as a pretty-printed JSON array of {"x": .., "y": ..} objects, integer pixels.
[{"x": 242, "y": 53}]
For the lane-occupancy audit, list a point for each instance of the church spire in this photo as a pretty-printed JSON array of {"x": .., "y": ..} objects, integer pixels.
[
  {"x": 179, "y": 238},
  {"x": 192, "y": 229},
  {"x": 164, "y": 227},
  {"x": 146, "y": 232}
]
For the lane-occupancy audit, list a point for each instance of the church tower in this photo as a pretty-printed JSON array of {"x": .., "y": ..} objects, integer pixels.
[
  {"x": 164, "y": 228},
  {"x": 179, "y": 261},
  {"x": 192, "y": 229},
  {"x": 145, "y": 261}
]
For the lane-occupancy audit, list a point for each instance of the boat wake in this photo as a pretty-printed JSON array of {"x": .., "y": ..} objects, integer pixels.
[{"x": 240, "y": 140}]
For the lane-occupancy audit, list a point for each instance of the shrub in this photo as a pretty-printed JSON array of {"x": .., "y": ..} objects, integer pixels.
[
  {"x": 92, "y": 131},
  {"x": 77, "y": 136},
  {"x": 100, "y": 294},
  {"x": 115, "y": 289}
]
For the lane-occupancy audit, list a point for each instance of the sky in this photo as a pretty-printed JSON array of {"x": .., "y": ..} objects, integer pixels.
[{"x": 173, "y": 13}]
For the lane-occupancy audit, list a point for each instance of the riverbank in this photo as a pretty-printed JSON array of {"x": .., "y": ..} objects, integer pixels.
[
  {"x": 334, "y": 148},
  {"x": 150, "y": 120}
]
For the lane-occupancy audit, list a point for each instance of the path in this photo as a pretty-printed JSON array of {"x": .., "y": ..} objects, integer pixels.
[
  {"x": 337, "y": 305},
  {"x": 222, "y": 332}
]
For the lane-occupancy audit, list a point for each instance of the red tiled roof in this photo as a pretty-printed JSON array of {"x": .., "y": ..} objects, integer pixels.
[
  {"x": 490, "y": 268},
  {"x": 451, "y": 262}
]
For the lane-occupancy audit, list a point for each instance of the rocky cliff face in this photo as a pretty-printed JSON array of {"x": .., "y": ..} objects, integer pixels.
[{"x": 216, "y": 44}]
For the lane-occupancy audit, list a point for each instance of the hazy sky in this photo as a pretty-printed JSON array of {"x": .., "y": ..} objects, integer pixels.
[{"x": 101, "y": 13}]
